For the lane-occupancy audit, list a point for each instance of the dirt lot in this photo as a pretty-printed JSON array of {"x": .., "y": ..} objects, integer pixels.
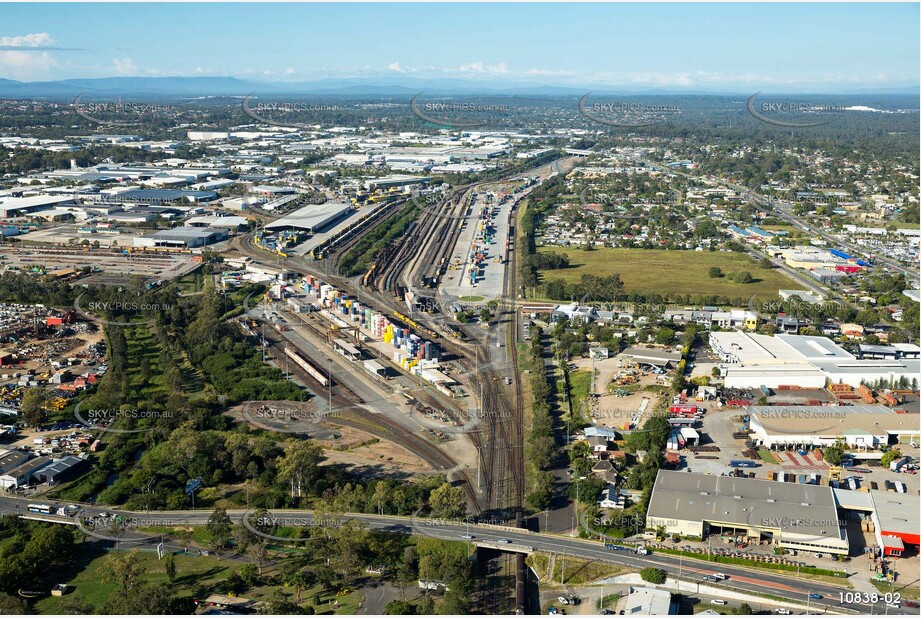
[
  {"x": 624, "y": 403},
  {"x": 378, "y": 459}
]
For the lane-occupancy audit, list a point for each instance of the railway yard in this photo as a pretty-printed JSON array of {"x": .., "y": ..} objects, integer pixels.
[{"x": 486, "y": 455}]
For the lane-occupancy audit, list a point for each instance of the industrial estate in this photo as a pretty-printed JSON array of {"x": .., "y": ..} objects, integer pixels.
[{"x": 292, "y": 349}]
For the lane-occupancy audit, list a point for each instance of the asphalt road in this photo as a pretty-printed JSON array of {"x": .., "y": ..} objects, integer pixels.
[{"x": 745, "y": 580}]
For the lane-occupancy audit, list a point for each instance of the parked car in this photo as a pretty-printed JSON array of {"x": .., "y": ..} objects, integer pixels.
[
  {"x": 718, "y": 602},
  {"x": 783, "y": 611}
]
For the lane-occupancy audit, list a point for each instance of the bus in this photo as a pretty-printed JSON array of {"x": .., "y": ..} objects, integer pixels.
[{"x": 40, "y": 508}]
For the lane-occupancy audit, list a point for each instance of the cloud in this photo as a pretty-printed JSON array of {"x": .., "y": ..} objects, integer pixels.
[
  {"x": 290, "y": 71},
  {"x": 482, "y": 68},
  {"x": 395, "y": 66},
  {"x": 125, "y": 66}
]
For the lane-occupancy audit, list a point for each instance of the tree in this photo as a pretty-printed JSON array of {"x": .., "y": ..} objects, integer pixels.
[
  {"x": 33, "y": 407},
  {"x": 10, "y": 605},
  {"x": 743, "y": 277},
  {"x": 653, "y": 575},
  {"x": 219, "y": 527},
  {"x": 714, "y": 272},
  {"x": 890, "y": 456},
  {"x": 400, "y": 607},
  {"x": 169, "y": 564},
  {"x": 124, "y": 570},
  {"x": 300, "y": 465},
  {"x": 448, "y": 501},
  {"x": 766, "y": 263},
  {"x": 745, "y": 609},
  {"x": 665, "y": 336},
  {"x": 834, "y": 454}
]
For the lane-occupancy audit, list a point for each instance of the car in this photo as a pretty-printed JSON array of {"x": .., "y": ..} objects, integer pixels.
[
  {"x": 710, "y": 578},
  {"x": 467, "y": 537},
  {"x": 503, "y": 541},
  {"x": 606, "y": 612},
  {"x": 813, "y": 595},
  {"x": 718, "y": 602},
  {"x": 911, "y": 604},
  {"x": 563, "y": 600},
  {"x": 783, "y": 611},
  {"x": 894, "y": 605},
  {"x": 720, "y": 576},
  {"x": 817, "y": 555}
]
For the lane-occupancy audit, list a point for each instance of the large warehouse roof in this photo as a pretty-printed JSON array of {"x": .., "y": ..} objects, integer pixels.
[
  {"x": 310, "y": 218},
  {"x": 795, "y": 509},
  {"x": 899, "y": 513}
]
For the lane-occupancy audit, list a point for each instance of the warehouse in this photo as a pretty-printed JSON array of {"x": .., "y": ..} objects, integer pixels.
[
  {"x": 653, "y": 356},
  {"x": 859, "y": 426},
  {"x": 750, "y": 361},
  {"x": 188, "y": 237},
  {"x": 23, "y": 206},
  {"x": 789, "y": 515},
  {"x": 160, "y": 196},
  {"x": 62, "y": 470},
  {"x": 23, "y": 474},
  {"x": 312, "y": 218},
  {"x": 12, "y": 459}
]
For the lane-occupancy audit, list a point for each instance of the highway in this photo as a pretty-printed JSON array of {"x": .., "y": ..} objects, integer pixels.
[{"x": 745, "y": 580}]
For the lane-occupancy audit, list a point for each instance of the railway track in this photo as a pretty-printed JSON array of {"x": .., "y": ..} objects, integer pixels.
[{"x": 348, "y": 413}]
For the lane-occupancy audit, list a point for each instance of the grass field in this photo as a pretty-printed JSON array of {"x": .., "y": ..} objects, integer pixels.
[{"x": 669, "y": 272}]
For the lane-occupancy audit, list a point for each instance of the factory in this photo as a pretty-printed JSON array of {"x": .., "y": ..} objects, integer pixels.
[
  {"x": 789, "y": 515},
  {"x": 749, "y": 361},
  {"x": 858, "y": 426}
]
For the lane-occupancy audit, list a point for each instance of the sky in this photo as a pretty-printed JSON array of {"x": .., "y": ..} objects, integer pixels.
[{"x": 833, "y": 47}]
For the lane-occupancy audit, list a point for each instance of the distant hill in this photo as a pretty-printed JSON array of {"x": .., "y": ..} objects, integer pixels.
[{"x": 378, "y": 86}]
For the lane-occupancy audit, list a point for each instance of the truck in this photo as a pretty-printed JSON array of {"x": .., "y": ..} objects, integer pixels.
[
  {"x": 742, "y": 463},
  {"x": 899, "y": 463}
]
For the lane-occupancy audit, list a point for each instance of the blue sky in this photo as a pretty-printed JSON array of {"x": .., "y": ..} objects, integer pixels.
[{"x": 698, "y": 46}]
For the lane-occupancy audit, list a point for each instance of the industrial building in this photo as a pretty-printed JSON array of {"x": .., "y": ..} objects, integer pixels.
[
  {"x": 751, "y": 361},
  {"x": 654, "y": 356},
  {"x": 23, "y": 206},
  {"x": 61, "y": 470},
  {"x": 896, "y": 517},
  {"x": 643, "y": 601},
  {"x": 23, "y": 474},
  {"x": 187, "y": 237},
  {"x": 789, "y": 515},
  {"x": 311, "y": 218},
  {"x": 859, "y": 426}
]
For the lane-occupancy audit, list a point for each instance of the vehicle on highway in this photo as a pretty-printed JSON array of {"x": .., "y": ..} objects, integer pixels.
[
  {"x": 718, "y": 602},
  {"x": 710, "y": 578},
  {"x": 720, "y": 576},
  {"x": 467, "y": 537},
  {"x": 911, "y": 604},
  {"x": 813, "y": 595},
  {"x": 503, "y": 541},
  {"x": 783, "y": 611},
  {"x": 894, "y": 605}
]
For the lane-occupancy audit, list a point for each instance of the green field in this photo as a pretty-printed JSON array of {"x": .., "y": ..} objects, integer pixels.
[{"x": 669, "y": 272}]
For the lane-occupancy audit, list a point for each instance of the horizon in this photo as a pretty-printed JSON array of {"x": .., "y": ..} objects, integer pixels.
[{"x": 695, "y": 48}]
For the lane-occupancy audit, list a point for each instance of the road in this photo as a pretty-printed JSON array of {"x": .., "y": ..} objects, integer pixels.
[{"x": 746, "y": 580}]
